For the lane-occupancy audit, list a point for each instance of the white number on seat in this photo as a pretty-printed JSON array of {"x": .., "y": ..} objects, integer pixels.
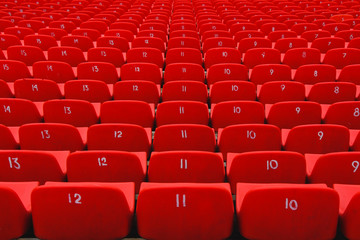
[
  {"x": 355, "y": 165},
  {"x": 7, "y": 109},
  {"x": 321, "y": 135},
  {"x": 13, "y": 162},
  {"x": 67, "y": 110},
  {"x": 283, "y": 87},
  {"x": 292, "y": 204},
  {"x": 95, "y": 69},
  {"x": 356, "y": 112},
  {"x": 183, "y": 163},
  {"x": 102, "y": 162},
  {"x": 45, "y": 134},
  {"x": 337, "y": 90},
  {"x": 75, "y": 199},
  {"x": 297, "y": 110},
  {"x": 178, "y": 200},
  {"x": 183, "y": 134},
  {"x": 237, "y": 110},
  {"x": 272, "y": 164},
  {"x": 250, "y": 134},
  {"x": 118, "y": 134}
]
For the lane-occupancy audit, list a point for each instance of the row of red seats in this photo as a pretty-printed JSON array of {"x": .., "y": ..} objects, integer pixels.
[
  {"x": 181, "y": 166},
  {"x": 178, "y": 211},
  {"x": 61, "y": 72},
  {"x": 244, "y": 40},
  {"x": 79, "y": 113},
  {"x": 180, "y": 90},
  {"x": 310, "y": 138},
  {"x": 142, "y": 90},
  {"x": 296, "y": 57}
]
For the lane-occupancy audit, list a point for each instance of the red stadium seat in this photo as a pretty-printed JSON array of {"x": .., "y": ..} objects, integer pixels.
[
  {"x": 293, "y": 113},
  {"x": 253, "y": 42},
  {"x": 179, "y": 112},
  {"x": 301, "y": 56},
  {"x": 57, "y": 33},
  {"x": 128, "y": 111},
  {"x": 120, "y": 137},
  {"x": 57, "y": 71},
  {"x": 332, "y": 92},
  {"x": 249, "y": 137},
  {"x": 350, "y": 73},
  {"x": 19, "y": 32},
  {"x": 257, "y": 56},
  {"x": 279, "y": 91},
  {"x": 147, "y": 55},
  {"x": 315, "y": 73},
  {"x": 161, "y": 220},
  {"x": 218, "y": 42},
  {"x": 300, "y": 28},
  {"x": 315, "y": 34},
  {"x": 71, "y": 55},
  {"x": 221, "y": 55},
  {"x": 186, "y": 166},
  {"x": 348, "y": 213},
  {"x": 25, "y": 166},
  {"x": 17, "y": 111},
  {"x": 265, "y": 167},
  {"x": 82, "y": 42},
  {"x": 317, "y": 138},
  {"x": 115, "y": 204},
  {"x": 342, "y": 57},
  {"x": 42, "y": 41},
  {"x": 107, "y": 166},
  {"x": 281, "y": 34},
  {"x": 228, "y": 113},
  {"x": 238, "y": 36},
  {"x": 5, "y": 91},
  {"x": 278, "y": 210},
  {"x": 26, "y": 54},
  {"x": 333, "y": 168},
  {"x": 344, "y": 113},
  {"x": 106, "y": 54},
  {"x": 184, "y": 71},
  {"x": 68, "y": 26},
  {"x": 103, "y": 71},
  {"x": 232, "y": 91},
  {"x": 185, "y": 90},
  {"x": 148, "y": 42},
  {"x": 285, "y": 44},
  {"x": 226, "y": 71},
  {"x": 16, "y": 208},
  {"x": 137, "y": 90},
  {"x": 11, "y": 70},
  {"x": 184, "y": 137},
  {"x": 50, "y": 136},
  {"x": 89, "y": 90},
  {"x": 264, "y": 73},
  {"x": 326, "y": 43},
  {"x": 78, "y": 113},
  {"x": 36, "y": 89},
  {"x": 141, "y": 71},
  {"x": 92, "y": 34},
  {"x": 184, "y": 55},
  {"x": 184, "y": 42}
]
